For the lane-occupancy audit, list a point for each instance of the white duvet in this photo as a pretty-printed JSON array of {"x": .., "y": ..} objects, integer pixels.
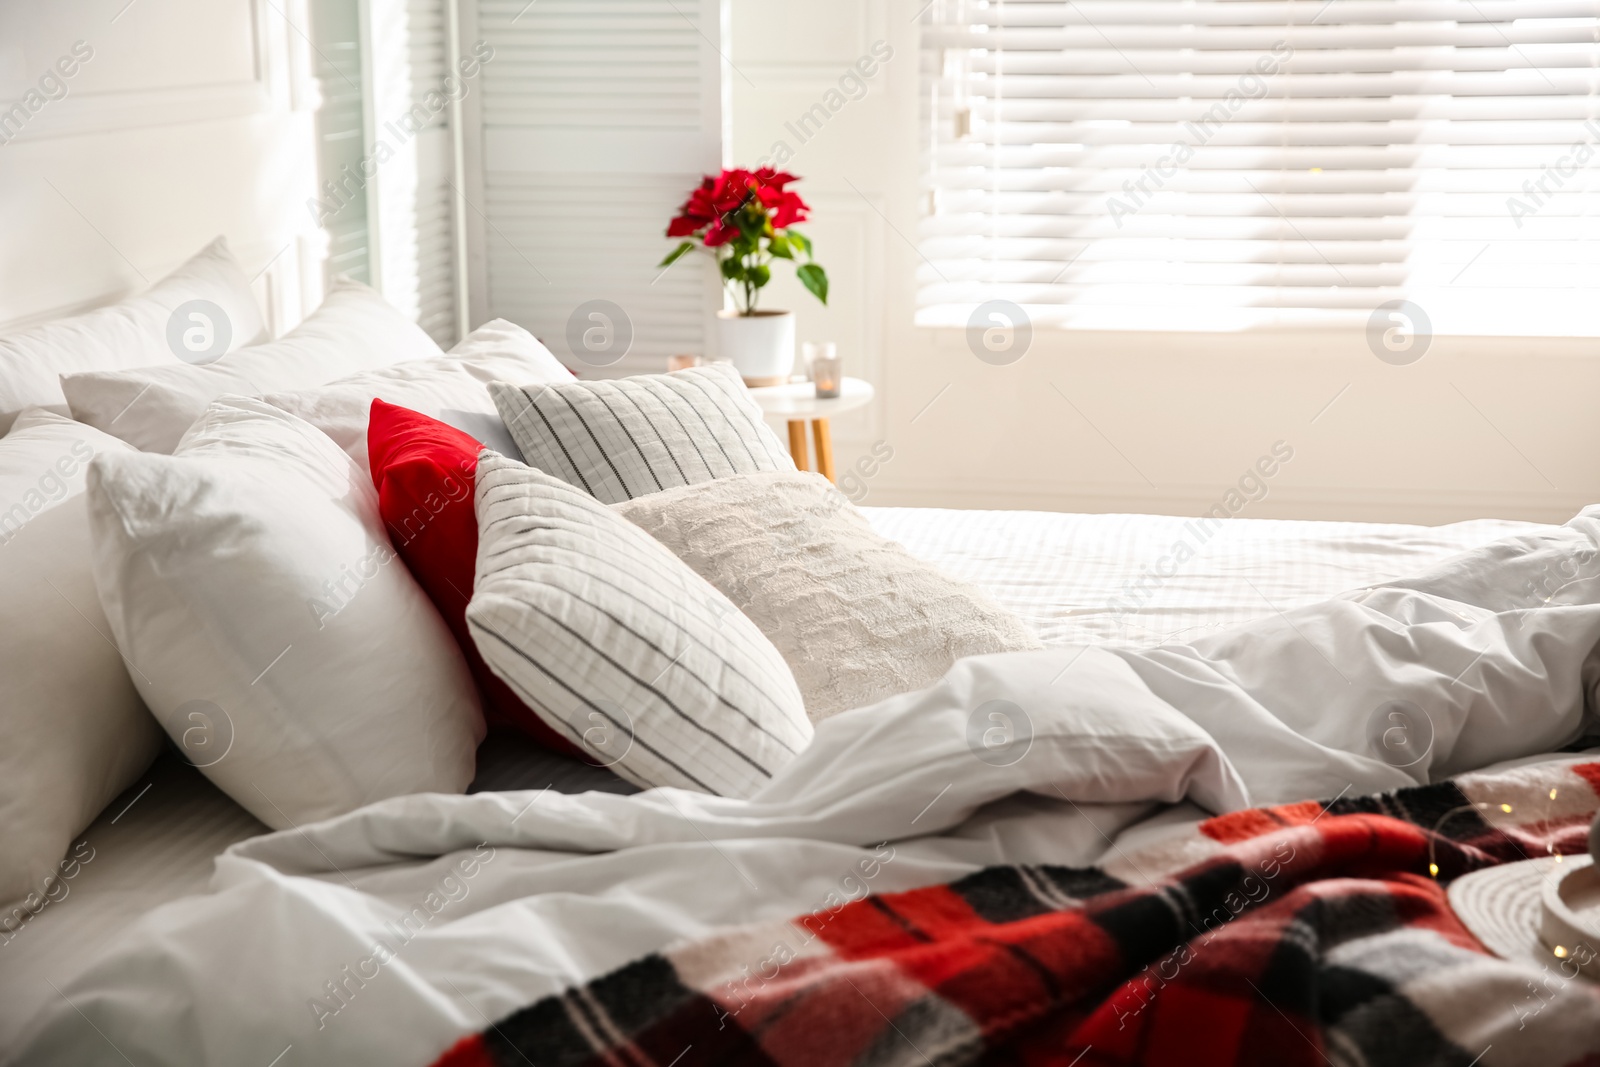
[{"x": 384, "y": 935}]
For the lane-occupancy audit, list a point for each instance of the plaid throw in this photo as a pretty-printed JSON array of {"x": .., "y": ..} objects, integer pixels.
[{"x": 1314, "y": 933}]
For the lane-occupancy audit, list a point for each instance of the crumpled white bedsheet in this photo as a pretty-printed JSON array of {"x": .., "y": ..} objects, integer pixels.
[{"x": 514, "y": 895}]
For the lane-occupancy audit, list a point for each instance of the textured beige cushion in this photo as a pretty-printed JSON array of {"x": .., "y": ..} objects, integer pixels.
[{"x": 857, "y": 617}]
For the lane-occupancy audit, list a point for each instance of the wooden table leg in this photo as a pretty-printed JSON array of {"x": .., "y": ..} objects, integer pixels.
[
  {"x": 824, "y": 435},
  {"x": 797, "y": 444}
]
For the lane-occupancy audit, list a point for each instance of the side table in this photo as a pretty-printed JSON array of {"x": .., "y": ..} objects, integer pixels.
[{"x": 798, "y": 402}]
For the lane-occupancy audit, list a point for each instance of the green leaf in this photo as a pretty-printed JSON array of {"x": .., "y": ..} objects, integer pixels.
[
  {"x": 799, "y": 240},
  {"x": 759, "y": 275},
  {"x": 733, "y": 268},
  {"x": 675, "y": 255},
  {"x": 815, "y": 279},
  {"x": 780, "y": 247}
]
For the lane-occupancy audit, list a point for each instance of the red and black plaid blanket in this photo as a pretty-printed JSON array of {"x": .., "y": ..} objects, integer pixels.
[{"x": 1316, "y": 933}]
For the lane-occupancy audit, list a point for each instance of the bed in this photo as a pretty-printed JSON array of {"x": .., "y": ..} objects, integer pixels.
[
  {"x": 1061, "y": 573},
  {"x": 305, "y": 637}
]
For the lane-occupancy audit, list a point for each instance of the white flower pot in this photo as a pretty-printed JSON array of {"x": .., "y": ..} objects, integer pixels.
[{"x": 760, "y": 345}]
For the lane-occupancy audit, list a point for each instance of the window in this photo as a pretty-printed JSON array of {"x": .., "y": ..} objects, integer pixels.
[
  {"x": 485, "y": 159},
  {"x": 1225, "y": 164},
  {"x": 341, "y": 143},
  {"x": 386, "y": 154}
]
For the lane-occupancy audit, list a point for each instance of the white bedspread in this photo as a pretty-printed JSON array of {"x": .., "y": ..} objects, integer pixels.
[
  {"x": 436, "y": 914},
  {"x": 1094, "y": 579}
]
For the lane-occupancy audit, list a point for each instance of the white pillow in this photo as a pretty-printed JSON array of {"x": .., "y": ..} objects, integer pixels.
[
  {"x": 150, "y": 408},
  {"x": 858, "y": 618},
  {"x": 130, "y": 333},
  {"x": 452, "y": 388},
  {"x": 618, "y": 645},
  {"x": 248, "y": 580},
  {"x": 74, "y": 733}
]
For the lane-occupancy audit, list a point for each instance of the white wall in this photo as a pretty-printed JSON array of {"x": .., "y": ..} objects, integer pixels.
[
  {"x": 1125, "y": 421},
  {"x": 189, "y": 119}
]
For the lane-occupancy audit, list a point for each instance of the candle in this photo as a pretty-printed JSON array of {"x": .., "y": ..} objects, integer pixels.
[{"x": 827, "y": 370}]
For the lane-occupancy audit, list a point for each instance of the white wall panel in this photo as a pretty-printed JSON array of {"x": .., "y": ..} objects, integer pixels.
[
  {"x": 790, "y": 60},
  {"x": 191, "y": 119},
  {"x": 781, "y": 44}
]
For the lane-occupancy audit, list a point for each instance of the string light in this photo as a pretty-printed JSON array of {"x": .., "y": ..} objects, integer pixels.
[
  {"x": 1433, "y": 866},
  {"x": 1481, "y": 805}
]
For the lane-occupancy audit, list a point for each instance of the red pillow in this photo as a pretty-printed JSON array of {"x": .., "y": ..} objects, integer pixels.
[{"x": 424, "y": 471}]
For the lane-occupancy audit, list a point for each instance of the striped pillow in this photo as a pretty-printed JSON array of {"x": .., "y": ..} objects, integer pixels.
[
  {"x": 630, "y": 437},
  {"x": 618, "y": 645}
]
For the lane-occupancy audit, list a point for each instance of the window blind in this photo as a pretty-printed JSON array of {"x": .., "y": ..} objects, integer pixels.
[
  {"x": 386, "y": 152},
  {"x": 338, "y": 55},
  {"x": 599, "y": 117},
  {"x": 432, "y": 62},
  {"x": 1226, "y": 164}
]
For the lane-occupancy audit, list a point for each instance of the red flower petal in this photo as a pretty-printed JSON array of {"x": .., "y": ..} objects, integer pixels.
[
  {"x": 700, "y": 207},
  {"x": 777, "y": 179},
  {"x": 790, "y": 210},
  {"x": 728, "y": 197}
]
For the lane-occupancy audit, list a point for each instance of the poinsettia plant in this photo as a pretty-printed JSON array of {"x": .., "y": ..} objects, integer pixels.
[{"x": 745, "y": 219}]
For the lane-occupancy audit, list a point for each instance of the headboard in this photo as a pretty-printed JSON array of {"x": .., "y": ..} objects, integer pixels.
[{"x": 131, "y": 134}]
